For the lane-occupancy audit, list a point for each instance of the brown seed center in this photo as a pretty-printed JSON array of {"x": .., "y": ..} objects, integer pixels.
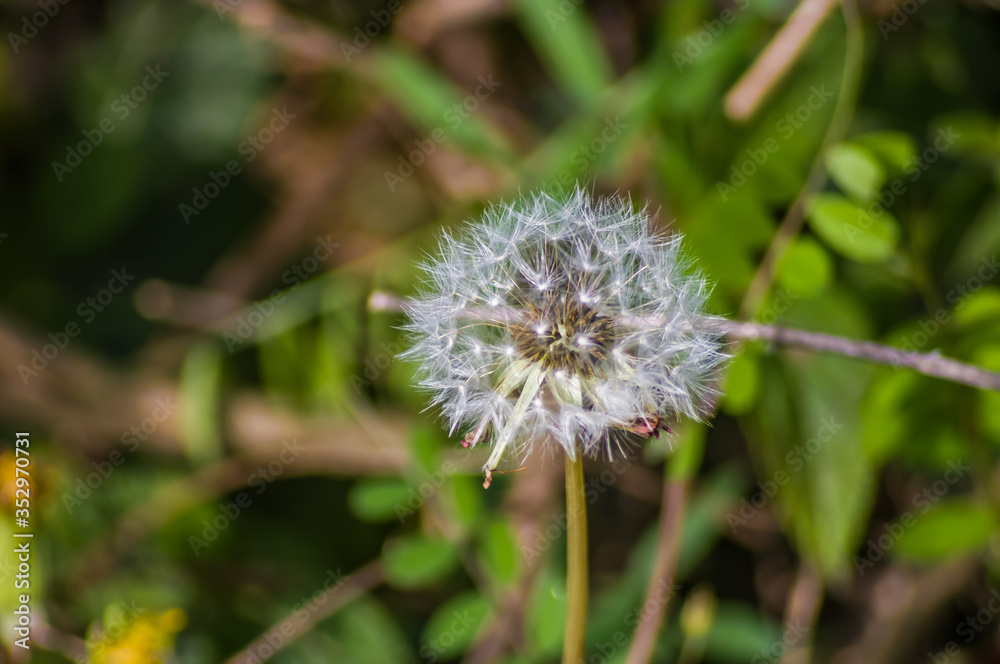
[{"x": 565, "y": 334}]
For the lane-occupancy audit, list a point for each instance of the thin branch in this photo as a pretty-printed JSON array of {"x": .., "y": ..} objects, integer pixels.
[
  {"x": 929, "y": 364},
  {"x": 850, "y": 81},
  {"x": 801, "y": 613},
  {"x": 319, "y": 609},
  {"x": 675, "y": 496},
  {"x": 777, "y": 58}
]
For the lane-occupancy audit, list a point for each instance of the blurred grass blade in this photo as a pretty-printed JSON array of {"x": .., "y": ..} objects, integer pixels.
[
  {"x": 199, "y": 388},
  {"x": 569, "y": 45},
  {"x": 436, "y": 105}
]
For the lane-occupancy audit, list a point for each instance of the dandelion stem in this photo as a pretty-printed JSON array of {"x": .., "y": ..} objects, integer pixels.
[{"x": 576, "y": 562}]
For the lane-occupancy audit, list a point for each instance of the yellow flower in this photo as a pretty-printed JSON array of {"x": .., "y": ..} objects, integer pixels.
[
  {"x": 141, "y": 640},
  {"x": 7, "y": 477}
]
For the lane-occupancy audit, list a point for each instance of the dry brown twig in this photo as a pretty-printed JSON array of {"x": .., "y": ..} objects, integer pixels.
[
  {"x": 774, "y": 62},
  {"x": 929, "y": 364}
]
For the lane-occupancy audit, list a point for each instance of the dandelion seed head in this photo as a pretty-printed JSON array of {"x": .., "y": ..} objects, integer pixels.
[{"x": 562, "y": 320}]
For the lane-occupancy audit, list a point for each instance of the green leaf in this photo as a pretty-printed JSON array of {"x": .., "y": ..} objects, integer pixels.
[
  {"x": 988, "y": 357},
  {"x": 950, "y": 528},
  {"x": 741, "y": 217},
  {"x": 686, "y": 455},
  {"x": 807, "y": 439},
  {"x": 546, "y": 614},
  {"x": 740, "y": 634},
  {"x": 425, "y": 448},
  {"x": 568, "y": 43},
  {"x": 855, "y": 170},
  {"x": 415, "y": 561},
  {"x": 498, "y": 552},
  {"x": 742, "y": 383},
  {"x": 378, "y": 500},
  {"x": 851, "y": 230},
  {"x": 980, "y": 309},
  {"x": 454, "y": 626},
  {"x": 364, "y": 633},
  {"x": 806, "y": 268},
  {"x": 465, "y": 499},
  {"x": 893, "y": 148},
  {"x": 975, "y": 132},
  {"x": 978, "y": 244},
  {"x": 885, "y": 413}
]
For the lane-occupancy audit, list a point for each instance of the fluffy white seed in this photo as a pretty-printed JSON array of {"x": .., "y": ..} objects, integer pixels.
[{"x": 562, "y": 320}]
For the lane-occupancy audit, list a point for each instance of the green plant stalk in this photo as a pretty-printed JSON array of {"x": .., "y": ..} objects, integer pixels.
[{"x": 576, "y": 562}]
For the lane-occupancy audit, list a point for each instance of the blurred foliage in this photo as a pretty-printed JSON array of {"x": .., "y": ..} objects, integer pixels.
[{"x": 231, "y": 431}]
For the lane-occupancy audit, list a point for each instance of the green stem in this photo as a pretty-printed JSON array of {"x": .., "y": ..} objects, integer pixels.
[{"x": 576, "y": 562}]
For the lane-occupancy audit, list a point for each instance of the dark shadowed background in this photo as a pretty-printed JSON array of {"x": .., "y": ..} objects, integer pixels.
[{"x": 229, "y": 463}]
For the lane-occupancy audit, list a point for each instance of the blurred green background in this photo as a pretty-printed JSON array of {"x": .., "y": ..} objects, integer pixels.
[{"x": 230, "y": 464}]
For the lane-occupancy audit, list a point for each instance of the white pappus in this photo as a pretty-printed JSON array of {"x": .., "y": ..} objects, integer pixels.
[{"x": 561, "y": 319}]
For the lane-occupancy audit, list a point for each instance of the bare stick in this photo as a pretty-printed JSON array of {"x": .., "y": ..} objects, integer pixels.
[
  {"x": 675, "y": 495},
  {"x": 776, "y": 59},
  {"x": 849, "y": 82},
  {"x": 929, "y": 364},
  {"x": 802, "y": 611},
  {"x": 319, "y": 609}
]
